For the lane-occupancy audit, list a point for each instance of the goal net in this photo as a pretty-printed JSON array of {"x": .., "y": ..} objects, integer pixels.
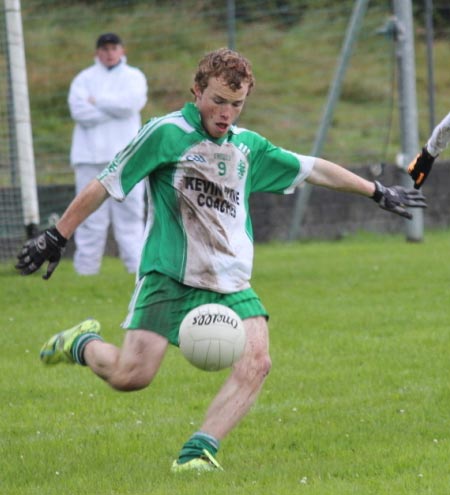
[{"x": 18, "y": 195}]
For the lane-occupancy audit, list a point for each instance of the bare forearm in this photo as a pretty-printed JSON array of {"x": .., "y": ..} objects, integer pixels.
[
  {"x": 85, "y": 203},
  {"x": 333, "y": 176}
]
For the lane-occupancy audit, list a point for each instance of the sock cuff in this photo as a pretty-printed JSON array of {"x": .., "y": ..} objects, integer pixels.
[
  {"x": 79, "y": 344},
  {"x": 213, "y": 441},
  {"x": 196, "y": 445}
]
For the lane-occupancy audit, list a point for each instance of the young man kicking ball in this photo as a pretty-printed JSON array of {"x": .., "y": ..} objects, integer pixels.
[{"x": 201, "y": 169}]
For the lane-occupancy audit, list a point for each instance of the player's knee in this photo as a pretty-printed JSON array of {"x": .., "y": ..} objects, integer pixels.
[
  {"x": 261, "y": 360},
  {"x": 130, "y": 381},
  {"x": 265, "y": 365},
  {"x": 254, "y": 367},
  {"x": 260, "y": 367}
]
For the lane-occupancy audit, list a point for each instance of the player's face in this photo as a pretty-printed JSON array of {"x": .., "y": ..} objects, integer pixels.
[
  {"x": 219, "y": 105},
  {"x": 110, "y": 54}
]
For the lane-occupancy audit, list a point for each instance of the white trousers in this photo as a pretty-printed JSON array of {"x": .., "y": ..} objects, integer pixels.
[{"x": 126, "y": 218}]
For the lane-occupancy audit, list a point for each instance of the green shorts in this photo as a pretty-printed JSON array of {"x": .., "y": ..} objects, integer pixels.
[{"x": 159, "y": 304}]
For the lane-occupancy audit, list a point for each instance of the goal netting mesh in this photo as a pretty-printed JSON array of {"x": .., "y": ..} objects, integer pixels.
[{"x": 11, "y": 215}]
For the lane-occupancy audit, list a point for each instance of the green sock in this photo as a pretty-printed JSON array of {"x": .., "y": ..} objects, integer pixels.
[
  {"x": 196, "y": 444},
  {"x": 77, "y": 349}
]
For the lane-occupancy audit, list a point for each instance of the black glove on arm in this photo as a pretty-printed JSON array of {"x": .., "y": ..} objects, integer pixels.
[
  {"x": 48, "y": 246},
  {"x": 420, "y": 167},
  {"x": 396, "y": 198}
]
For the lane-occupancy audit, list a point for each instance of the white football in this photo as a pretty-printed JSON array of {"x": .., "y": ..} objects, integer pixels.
[{"x": 212, "y": 337}]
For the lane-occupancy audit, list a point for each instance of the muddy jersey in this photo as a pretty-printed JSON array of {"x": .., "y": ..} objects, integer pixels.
[{"x": 201, "y": 233}]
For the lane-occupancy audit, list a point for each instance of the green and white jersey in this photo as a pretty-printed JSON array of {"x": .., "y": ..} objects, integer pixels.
[{"x": 201, "y": 232}]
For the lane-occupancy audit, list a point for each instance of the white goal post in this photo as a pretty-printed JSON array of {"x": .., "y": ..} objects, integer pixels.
[{"x": 21, "y": 119}]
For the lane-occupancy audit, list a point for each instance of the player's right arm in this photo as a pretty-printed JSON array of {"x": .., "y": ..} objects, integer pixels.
[
  {"x": 85, "y": 203},
  {"x": 49, "y": 246}
]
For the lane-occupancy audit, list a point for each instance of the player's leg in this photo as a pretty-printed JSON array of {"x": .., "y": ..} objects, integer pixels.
[
  {"x": 242, "y": 387},
  {"x": 128, "y": 226},
  {"x": 232, "y": 403},
  {"x": 151, "y": 324},
  {"x": 131, "y": 367},
  {"x": 90, "y": 237}
]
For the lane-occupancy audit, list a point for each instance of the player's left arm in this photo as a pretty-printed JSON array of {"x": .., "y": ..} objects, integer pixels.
[{"x": 394, "y": 199}]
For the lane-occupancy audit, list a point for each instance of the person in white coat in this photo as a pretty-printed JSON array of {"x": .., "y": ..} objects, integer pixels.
[
  {"x": 105, "y": 101},
  {"x": 420, "y": 167}
]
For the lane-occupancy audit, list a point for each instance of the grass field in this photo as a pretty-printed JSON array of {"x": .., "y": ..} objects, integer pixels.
[{"x": 357, "y": 402}]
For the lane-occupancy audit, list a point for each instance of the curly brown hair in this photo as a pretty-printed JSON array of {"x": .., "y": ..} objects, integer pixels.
[{"x": 227, "y": 64}]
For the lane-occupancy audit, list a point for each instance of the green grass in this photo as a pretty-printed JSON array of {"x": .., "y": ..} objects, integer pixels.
[{"x": 357, "y": 401}]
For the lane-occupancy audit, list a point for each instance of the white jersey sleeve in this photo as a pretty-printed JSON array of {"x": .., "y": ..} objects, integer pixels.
[{"x": 440, "y": 137}]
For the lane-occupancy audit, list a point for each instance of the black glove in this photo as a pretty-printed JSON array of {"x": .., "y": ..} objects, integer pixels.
[
  {"x": 396, "y": 198},
  {"x": 48, "y": 246},
  {"x": 420, "y": 167}
]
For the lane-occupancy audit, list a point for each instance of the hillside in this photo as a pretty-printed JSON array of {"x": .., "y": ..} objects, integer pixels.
[{"x": 294, "y": 57}]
